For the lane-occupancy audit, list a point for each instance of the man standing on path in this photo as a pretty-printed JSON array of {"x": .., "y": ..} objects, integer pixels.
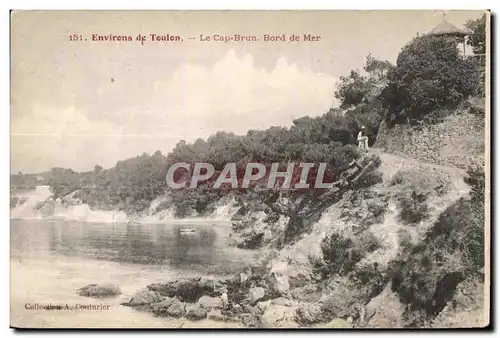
[{"x": 362, "y": 139}]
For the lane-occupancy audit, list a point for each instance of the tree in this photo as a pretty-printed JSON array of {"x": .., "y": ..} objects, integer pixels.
[
  {"x": 430, "y": 74},
  {"x": 352, "y": 89},
  {"x": 97, "y": 169},
  {"x": 377, "y": 69},
  {"x": 477, "y": 34},
  {"x": 477, "y": 40},
  {"x": 357, "y": 88},
  {"x": 63, "y": 181}
]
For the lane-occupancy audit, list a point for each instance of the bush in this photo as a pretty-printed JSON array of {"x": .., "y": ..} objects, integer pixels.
[
  {"x": 377, "y": 209},
  {"x": 414, "y": 190},
  {"x": 370, "y": 280},
  {"x": 415, "y": 179},
  {"x": 430, "y": 74},
  {"x": 477, "y": 106},
  {"x": 13, "y": 201},
  {"x": 368, "y": 242},
  {"x": 183, "y": 209},
  {"x": 473, "y": 246},
  {"x": 340, "y": 254},
  {"x": 412, "y": 203},
  {"x": 319, "y": 267},
  {"x": 405, "y": 241},
  {"x": 370, "y": 179}
]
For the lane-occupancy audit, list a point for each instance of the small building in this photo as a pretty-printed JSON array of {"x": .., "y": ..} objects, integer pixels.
[{"x": 445, "y": 28}]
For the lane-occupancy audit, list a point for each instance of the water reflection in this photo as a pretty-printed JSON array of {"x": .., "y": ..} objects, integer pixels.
[{"x": 130, "y": 243}]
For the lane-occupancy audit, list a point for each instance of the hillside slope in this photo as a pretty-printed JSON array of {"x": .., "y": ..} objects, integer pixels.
[
  {"x": 458, "y": 141},
  {"x": 351, "y": 217}
]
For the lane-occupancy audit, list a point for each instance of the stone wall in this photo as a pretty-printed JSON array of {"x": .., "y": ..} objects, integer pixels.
[{"x": 457, "y": 141}]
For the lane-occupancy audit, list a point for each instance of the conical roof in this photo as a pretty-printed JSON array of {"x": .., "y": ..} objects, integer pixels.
[{"x": 446, "y": 28}]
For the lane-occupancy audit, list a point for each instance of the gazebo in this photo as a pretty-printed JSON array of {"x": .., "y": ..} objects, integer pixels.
[{"x": 445, "y": 28}]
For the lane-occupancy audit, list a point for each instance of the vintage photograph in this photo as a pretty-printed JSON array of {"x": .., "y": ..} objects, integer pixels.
[{"x": 250, "y": 169}]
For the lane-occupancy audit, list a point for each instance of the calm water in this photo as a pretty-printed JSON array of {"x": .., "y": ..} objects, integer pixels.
[{"x": 50, "y": 260}]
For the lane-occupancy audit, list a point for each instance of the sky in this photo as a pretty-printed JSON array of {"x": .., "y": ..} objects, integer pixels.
[{"x": 76, "y": 104}]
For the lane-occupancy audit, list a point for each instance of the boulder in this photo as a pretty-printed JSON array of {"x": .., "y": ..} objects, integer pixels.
[
  {"x": 161, "y": 307},
  {"x": 310, "y": 314},
  {"x": 278, "y": 316},
  {"x": 144, "y": 297},
  {"x": 250, "y": 320},
  {"x": 188, "y": 290},
  {"x": 99, "y": 290},
  {"x": 216, "y": 315},
  {"x": 45, "y": 208},
  {"x": 336, "y": 323},
  {"x": 256, "y": 294},
  {"x": 209, "y": 303},
  {"x": 250, "y": 240},
  {"x": 176, "y": 310},
  {"x": 195, "y": 312},
  {"x": 211, "y": 286},
  {"x": 282, "y": 302},
  {"x": 253, "y": 310},
  {"x": 281, "y": 284}
]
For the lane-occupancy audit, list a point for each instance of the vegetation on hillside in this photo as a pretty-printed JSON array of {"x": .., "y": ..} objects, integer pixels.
[
  {"x": 23, "y": 182},
  {"x": 453, "y": 249},
  {"x": 331, "y": 138},
  {"x": 477, "y": 40},
  {"x": 477, "y": 37},
  {"x": 430, "y": 75}
]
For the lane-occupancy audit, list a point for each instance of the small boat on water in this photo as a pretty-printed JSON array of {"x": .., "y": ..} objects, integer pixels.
[{"x": 187, "y": 231}]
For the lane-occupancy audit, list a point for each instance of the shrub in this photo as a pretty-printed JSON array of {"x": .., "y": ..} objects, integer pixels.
[
  {"x": 430, "y": 74},
  {"x": 13, "y": 201},
  {"x": 473, "y": 246},
  {"x": 412, "y": 195},
  {"x": 369, "y": 242},
  {"x": 405, "y": 241},
  {"x": 370, "y": 179},
  {"x": 414, "y": 190},
  {"x": 377, "y": 208},
  {"x": 477, "y": 106},
  {"x": 319, "y": 267},
  {"x": 370, "y": 280},
  {"x": 340, "y": 254},
  {"x": 183, "y": 209},
  {"x": 413, "y": 205},
  {"x": 476, "y": 180},
  {"x": 414, "y": 178}
]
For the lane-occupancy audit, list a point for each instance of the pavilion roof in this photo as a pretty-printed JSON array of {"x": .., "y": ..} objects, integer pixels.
[{"x": 446, "y": 28}]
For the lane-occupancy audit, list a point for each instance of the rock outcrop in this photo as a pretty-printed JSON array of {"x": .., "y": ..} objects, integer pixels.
[
  {"x": 144, "y": 297},
  {"x": 188, "y": 290},
  {"x": 99, "y": 290}
]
